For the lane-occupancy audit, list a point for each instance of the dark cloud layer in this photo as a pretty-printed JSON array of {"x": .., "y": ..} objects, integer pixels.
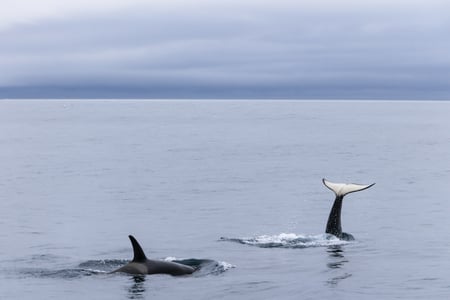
[{"x": 233, "y": 51}]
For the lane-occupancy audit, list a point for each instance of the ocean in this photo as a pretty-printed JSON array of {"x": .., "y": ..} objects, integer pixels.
[{"x": 234, "y": 183}]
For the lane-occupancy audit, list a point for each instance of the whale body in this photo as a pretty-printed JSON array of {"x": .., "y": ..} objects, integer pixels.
[
  {"x": 334, "y": 226},
  {"x": 141, "y": 265}
]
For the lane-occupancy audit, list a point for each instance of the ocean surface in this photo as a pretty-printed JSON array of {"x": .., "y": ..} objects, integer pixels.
[{"x": 233, "y": 187}]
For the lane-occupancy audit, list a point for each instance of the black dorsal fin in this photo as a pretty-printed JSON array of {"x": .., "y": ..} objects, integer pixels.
[{"x": 139, "y": 255}]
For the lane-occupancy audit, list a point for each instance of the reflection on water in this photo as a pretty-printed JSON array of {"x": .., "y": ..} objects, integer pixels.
[
  {"x": 137, "y": 289},
  {"x": 335, "y": 280},
  {"x": 337, "y": 255},
  {"x": 338, "y": 261}
]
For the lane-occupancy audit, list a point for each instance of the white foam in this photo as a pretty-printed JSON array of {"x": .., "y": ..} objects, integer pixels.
[
  {"x": 205, "y": 266},
  {"x": 170, "y": 258},
  {"x": 292, "y": 240},
  {"x": 225, "y": 266}
]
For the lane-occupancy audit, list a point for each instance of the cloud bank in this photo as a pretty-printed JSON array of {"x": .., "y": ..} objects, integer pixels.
[{"x": 205, "y": 49}]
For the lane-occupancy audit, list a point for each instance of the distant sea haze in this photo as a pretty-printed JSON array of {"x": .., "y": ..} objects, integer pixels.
[{"x": 266, "y": 92}]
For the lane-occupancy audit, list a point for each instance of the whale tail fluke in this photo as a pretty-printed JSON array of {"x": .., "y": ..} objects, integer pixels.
[{"x": 342, "y": 189}]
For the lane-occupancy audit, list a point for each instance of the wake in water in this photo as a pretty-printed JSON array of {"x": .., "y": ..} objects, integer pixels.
[
  {"x": 203, "y": 267},
  {"x": 68, "y": 273},
  {"x": 289, "y": 240}
]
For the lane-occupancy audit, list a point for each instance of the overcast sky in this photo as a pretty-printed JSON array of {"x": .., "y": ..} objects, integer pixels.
[{"x": 372, "y": 49}]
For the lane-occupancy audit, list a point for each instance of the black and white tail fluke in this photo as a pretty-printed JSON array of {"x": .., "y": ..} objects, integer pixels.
[{"x": 342, "y": 189}]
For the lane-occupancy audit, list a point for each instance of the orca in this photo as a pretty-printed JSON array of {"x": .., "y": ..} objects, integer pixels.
[
  {"x": 141, "y": 265},
  {"x": 334, "y": 220}
]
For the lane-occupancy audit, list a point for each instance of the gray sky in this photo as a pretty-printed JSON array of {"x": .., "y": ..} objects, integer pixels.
[{"x": 373, "y": 49}]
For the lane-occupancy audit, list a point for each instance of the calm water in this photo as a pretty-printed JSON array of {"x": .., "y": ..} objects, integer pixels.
[{"x": 234, "y": 182}]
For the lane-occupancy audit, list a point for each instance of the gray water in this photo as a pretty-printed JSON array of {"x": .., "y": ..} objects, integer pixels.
[{"x": 236, "y": 183}]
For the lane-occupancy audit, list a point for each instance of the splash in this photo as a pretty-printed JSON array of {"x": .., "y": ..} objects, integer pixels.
[
  {"x": 289, "y": 240},
  {"x": 204, "y": 267}
]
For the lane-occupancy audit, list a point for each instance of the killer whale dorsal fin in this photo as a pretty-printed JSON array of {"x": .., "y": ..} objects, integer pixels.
[
  {"x": 342, "y": 189},
  {"x": 139, "y": 255}
]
